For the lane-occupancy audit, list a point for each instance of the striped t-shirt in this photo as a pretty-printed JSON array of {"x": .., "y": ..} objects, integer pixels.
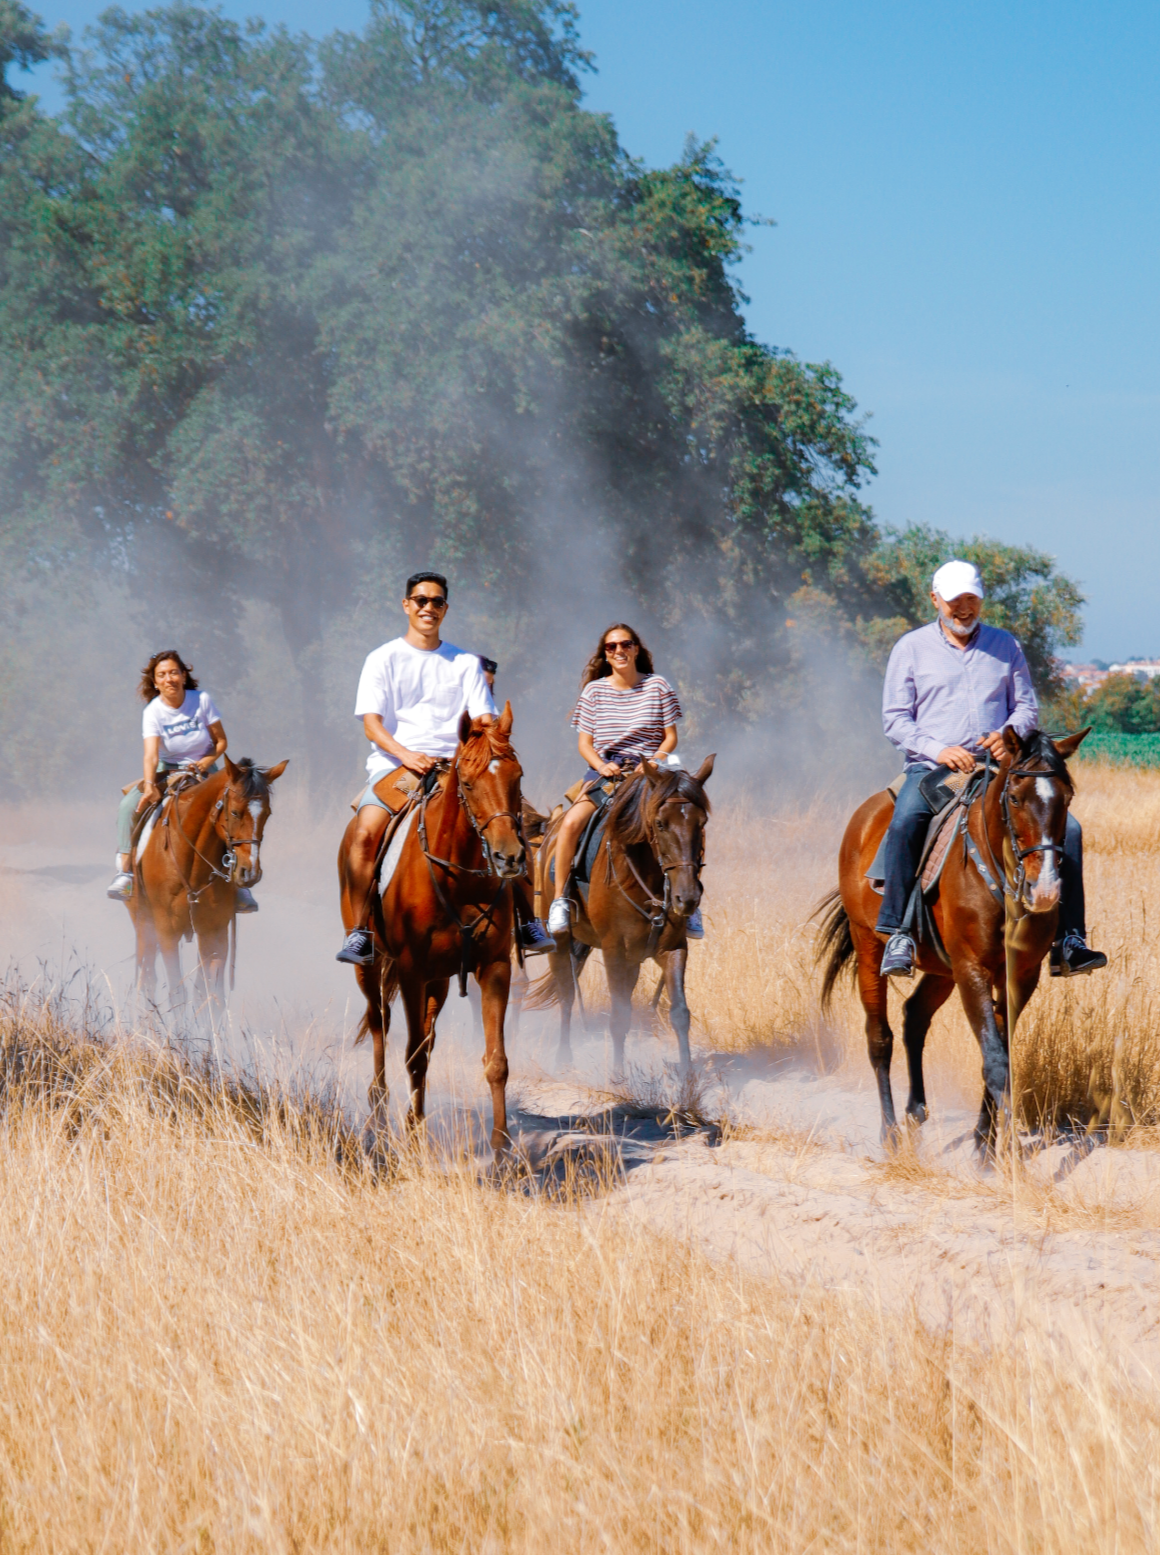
[{"x": 626, "y": 725}]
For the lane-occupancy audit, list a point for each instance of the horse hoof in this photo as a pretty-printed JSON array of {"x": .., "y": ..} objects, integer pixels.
[{"x": 917, "y": 1114}]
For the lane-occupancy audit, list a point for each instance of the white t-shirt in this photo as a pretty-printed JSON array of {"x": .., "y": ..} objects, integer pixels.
[
  {"x": 183, "y": 731},
  {"x": 420, "y": 694}
]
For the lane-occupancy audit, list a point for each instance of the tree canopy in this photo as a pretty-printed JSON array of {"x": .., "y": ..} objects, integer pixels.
[{"x": 280, "y": 320}]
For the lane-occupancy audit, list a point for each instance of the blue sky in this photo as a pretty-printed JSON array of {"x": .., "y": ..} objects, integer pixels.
[{"x": 967, "y": 227}]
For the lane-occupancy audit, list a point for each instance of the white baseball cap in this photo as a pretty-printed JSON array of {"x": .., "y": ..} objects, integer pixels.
[{"x": 955, "y": 578}]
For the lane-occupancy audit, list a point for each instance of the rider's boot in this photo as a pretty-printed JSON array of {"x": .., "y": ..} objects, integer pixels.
[
  {"x": 244, "y": 900},
  {"x": 1070, "y": 956},
  {"x": 534, "y": 938},
  {"x": 120, "y": 888},
  {"x": 898, "y": 957},
  {"x": 560, "y": 917},
  {"x": 358, "y": 948}
]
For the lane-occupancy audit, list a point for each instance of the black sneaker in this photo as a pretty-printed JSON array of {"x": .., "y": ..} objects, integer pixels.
[
  {"x": 898, "y": 957},
  {"x": 358, "y": 948},
  {"x": 534, "y": 938},
  {"x": 1070, "y": 957},
  {"x": 244, "y": 900}
]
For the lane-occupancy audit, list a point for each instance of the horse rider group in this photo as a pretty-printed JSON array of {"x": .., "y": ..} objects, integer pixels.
[{"x": 951, "y": 688}]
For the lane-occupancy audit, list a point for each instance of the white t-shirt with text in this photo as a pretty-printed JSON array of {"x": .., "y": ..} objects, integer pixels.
[
  {"x": 183, "y": 731},
  {"x": 420, "y": 694}
]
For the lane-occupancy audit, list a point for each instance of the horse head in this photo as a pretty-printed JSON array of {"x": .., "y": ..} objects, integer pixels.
[
  {"x": 489, "y": 772},
  {"x": 672, "y": 818},
  {"x": 1037, "y": 791},
  {"x": 240, "y": 817}
]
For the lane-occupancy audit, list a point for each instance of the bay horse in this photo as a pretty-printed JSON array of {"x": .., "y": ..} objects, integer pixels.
[
  {"x": 206, "y": 842},
  {"x": 996, "y": 912},
  {"x": 447, "y": 909},
  {"x": 646, "y": 881}
]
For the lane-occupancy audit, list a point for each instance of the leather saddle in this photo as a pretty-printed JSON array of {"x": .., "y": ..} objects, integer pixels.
[{"x": 951, "y": 794}]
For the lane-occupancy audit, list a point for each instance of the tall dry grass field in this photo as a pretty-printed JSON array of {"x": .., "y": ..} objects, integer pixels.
[{"x": 222, "y": 1330}]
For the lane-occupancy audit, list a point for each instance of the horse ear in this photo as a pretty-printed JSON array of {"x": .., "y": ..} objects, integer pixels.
[
  {"x": 650, "y": 769},
  {"x": 505, "y": 720},
  {"x": 706, "y": 771},
  {"x": 231, "y": 769},
  {"x": 1070, "y": 743},
  {"x": 464, "y": 727},
  {"x": 272, "y": 774},
  {"x": 1013, "y": 743}
]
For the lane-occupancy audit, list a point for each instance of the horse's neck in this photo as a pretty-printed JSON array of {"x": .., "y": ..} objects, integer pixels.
[
  {"x": 196, "y": 818},
  {"x": 454, "y": 837}
]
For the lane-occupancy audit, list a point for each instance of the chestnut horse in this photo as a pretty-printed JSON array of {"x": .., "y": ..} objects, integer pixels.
[
  {"x": 646, "y": 880},
  {"x": 997, "y": 909},
  {"x": 206, "y": 842},
  {"x": 446, "y": 910}
]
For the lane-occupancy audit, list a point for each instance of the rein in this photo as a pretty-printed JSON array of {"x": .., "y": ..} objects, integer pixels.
[
  {"x": 484, "y": 918},
  {"x": 1012, "y": 890},
  {"x": 224, "y": 868}
]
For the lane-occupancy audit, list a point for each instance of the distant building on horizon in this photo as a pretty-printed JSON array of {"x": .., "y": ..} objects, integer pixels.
[
  {"x": 1139, "y": 669},
  {"x": 1083, "y": 677}
]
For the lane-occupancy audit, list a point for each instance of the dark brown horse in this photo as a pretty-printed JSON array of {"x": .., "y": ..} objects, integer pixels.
[
  {"x": 646, "y": 881},
  {"x": 996, "y": 913},
  {"x": 206, "y": 842},
  {"x": 447, "y": 905}
]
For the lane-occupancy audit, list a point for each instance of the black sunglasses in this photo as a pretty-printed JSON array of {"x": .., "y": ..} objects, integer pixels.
[
  {"x": 436, "y": 601},
  {"x": 627, "y": 643}
]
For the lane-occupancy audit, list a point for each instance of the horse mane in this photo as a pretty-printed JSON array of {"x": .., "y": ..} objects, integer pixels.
[
  {"x": 1041, "y": 747},
  {"x": 251, "y": 779},
  {"x": 477, "y": 752},
  {"x": 634, "y": 808}
]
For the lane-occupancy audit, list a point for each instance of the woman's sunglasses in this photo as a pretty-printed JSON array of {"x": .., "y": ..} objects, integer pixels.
[{"x": 621, "y": 645}]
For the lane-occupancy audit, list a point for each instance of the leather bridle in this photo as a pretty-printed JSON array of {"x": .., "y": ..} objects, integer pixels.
[
  {"x": 659, "y": 907},
  {"x": 1014, "y": 891},
  {"x": 224, "y": 869}
]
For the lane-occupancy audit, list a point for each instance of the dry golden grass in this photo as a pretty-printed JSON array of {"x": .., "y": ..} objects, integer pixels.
[{"x": 219, "y": 1336}]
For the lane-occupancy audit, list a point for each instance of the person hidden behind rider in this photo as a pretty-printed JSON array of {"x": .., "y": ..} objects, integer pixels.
[
  {"x": 626, "y": 712},
  {"x": 951, "y": 688},
  {"x": 411, "y": 695},
  {"x": 183, "y": 732}
]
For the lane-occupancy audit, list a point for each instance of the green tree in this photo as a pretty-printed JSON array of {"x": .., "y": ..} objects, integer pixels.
[{"x": 1026, "y": 594}]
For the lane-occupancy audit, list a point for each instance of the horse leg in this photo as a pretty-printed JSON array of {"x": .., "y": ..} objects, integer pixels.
[
  {"x": 974, "y": 985},
  {"x": 674, "y": 970},
  {"x": 516, "y": 995},
  {"x": 146, "y": 953},
  {"x": 872, "y": 988},
  {"x": 494, "y": 985},
  {"x": 560, "y": 964},
  {"x": 378, "y": 1023},
  {"x": 212, "y": 949},
  {"x": 932, "y": 993},
  {"x": 421, "y": 1007},
  {"x": 170, "y": 945},
  {"x": 622, "y": 976}
]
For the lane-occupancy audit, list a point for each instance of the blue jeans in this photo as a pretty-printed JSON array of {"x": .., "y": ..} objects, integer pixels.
[{"x": 904, "y": 842}]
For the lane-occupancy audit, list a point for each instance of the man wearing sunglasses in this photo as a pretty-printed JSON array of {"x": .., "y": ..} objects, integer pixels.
[{"x": 411, "y": 695}]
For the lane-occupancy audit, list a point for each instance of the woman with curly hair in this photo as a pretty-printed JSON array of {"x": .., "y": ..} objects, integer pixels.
[
  {"x": 626, "y": 711},
  {"x": 182, "y": 730}
]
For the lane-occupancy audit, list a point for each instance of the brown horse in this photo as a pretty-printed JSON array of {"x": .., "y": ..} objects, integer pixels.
[
  {"x": 646, "y": 881},
  {"x": 996, "y": 913},
  {"x": 206, "y": 842},
  {"x": 447, "y": 909}
]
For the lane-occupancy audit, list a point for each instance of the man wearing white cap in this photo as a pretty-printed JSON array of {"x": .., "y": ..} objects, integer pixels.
[{"x": 951, "y": 689}]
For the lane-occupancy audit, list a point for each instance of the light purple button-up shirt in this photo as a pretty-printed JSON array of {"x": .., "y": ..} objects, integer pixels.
[{"x": 937, "y": 695}]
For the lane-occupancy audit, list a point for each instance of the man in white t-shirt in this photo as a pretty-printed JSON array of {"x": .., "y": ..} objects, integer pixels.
[{"x": 411, "y": 695}]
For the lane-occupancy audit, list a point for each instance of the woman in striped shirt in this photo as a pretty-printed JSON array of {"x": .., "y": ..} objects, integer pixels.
[{"x": 625, "y": 712}]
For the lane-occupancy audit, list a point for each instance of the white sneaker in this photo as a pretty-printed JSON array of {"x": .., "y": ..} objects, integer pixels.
[
  {"x": 694, "y": 928},
  {"x": 560, "y": 916},
  {"x": 120, "y": 888}
]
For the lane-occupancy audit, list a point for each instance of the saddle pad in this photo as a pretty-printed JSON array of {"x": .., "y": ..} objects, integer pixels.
[
  {"x": 147, "y": 829},
  {"x": 940, "y": 847},
  {"x": 394, "y": 850}
]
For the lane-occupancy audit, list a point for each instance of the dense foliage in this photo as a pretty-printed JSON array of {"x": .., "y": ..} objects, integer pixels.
[{"x": 280, "y": 320}]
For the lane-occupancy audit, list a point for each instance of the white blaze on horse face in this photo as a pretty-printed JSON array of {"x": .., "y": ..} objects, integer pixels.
[
  {"x": 1045, "y": 788},
  {"x": 493, "y": 765}
]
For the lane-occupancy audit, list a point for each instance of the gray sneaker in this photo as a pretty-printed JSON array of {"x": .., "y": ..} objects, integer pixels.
[
  {"x": 694, "y": 927},
  {"x": 898, "y": 957},
  {"x": 358, "y": 948},
  {"x": 244, "y": 900},
  {"x": 120, "y": 888}
]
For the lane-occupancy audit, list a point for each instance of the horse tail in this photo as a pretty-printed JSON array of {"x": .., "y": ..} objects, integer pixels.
[
  {"x": 835, "y": 943},
  {"x": 544, "y": 993},
  {"x": 380, "y": 988}
]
